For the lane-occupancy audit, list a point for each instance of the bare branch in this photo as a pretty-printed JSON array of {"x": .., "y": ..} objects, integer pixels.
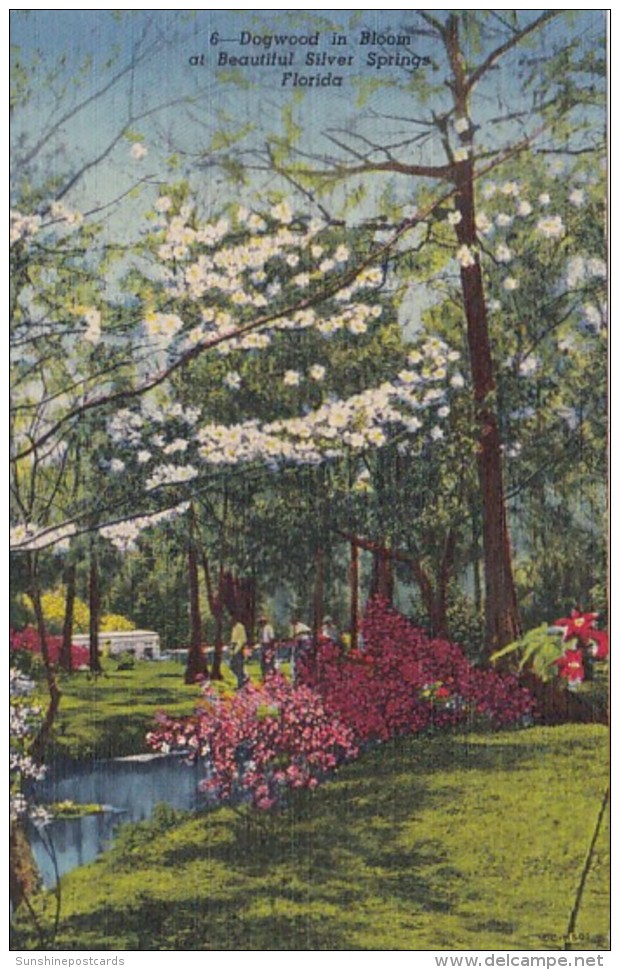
[{"x": 512, "y": 41}]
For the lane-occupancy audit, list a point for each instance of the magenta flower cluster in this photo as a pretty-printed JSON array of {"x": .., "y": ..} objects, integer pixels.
[
  {"x": 405, "y": 681},
  {"x": 28, "y": 639},
  {"x": 261, "y": 740},
  {"x": 265, "y": 740}
]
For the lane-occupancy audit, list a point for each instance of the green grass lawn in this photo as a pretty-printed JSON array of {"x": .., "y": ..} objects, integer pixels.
[
  {"x": 109, "y": 715},
  {"x": 455, "y": 841}
]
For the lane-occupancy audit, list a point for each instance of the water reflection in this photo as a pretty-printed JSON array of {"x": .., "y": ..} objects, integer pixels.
[{"x": 129, "y": 787}]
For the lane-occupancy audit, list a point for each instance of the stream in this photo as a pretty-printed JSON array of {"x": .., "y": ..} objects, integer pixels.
[{"x": 129, "y": 788}]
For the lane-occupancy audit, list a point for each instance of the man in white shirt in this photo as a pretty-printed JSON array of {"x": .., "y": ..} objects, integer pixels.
[{"x": 267, "y": 640}]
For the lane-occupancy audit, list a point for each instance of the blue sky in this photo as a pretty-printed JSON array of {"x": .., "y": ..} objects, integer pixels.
[
  {"x": 166, "y": 76},
  {"x": 179, "y": 107}
]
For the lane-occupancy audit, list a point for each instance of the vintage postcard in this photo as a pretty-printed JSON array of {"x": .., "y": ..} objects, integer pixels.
[{"x": 308, "y": 335}]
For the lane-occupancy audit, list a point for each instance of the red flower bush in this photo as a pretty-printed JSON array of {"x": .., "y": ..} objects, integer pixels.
[
  {"x": 28, "y": 639},
  {"x": 404, "y": 681},
  {"x": 265, "y": 740},
  {"x": 261, "y": 740}
]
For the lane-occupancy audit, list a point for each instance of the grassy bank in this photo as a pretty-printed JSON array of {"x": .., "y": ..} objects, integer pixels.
[
  {"x": 455, "y": 841},
  {"x": 109, "y": 715}
]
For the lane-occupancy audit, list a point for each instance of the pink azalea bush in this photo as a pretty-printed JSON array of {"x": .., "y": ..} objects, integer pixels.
[
  {"x": 261, "y": 740},
  {"x": 28, "y": 639},
  {"x": 265, "y": 740},
  {"x": 405, "y": 681}
]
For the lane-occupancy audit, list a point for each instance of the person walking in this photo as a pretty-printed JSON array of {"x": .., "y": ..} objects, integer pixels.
[
  {"x": 301, "y": 635},
  {"x": 329, "y": 630},
  {"x": 267, "y": 642},
  {"x": 238, "y": 645}
]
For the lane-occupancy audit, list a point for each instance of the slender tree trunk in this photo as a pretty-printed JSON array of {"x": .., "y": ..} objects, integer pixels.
[
  {"x": 476, "y": 561},
  {"x": 252, "y": 600},
  {"x": 502, "y": 623},
  {"x": 94, "y": 606},
  {"x": 216, "y": 672},
  {"x": 24, "y": 877},
  {"x": 196, "y": 664},
  {"x": 425, "y": 586},
  {"x": 443, "y": 582},
  {"x": 355, "y": 586},
  {"x": 319, "y": 583},
  {"x": 37, "y": 749},
  {"x": 216, "y": 607},
  {"x": 65, "y": 659},
  {"x": 382, "y": 582}
]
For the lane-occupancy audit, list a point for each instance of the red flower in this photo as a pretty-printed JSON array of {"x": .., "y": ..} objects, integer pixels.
[
  {"x": 577, "y": 625},
  {"x": 570, "y": 666},
  {"x": 601, "y": 644}
]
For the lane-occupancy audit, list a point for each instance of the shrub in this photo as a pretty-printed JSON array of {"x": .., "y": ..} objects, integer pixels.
[
  {"x": 404, "y": 681},
  {"x": 265, "y": 740},
  {"x": 28, "y": 640},
  {"x": 115, "y": 623},
  {"x": 260, "y": 740}
]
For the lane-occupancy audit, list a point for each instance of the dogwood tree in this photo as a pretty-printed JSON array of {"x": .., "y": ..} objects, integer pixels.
[{"x": 497, "y": 91}]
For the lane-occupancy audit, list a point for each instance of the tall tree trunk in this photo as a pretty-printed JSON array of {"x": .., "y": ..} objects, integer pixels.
[
  {"x": 65, "y": 659},
  {"x": 354, "y": 578},
  {"x": 216, "y": 672},
  {"x": 24, "y": 879},
  {"x": 502, "y": 623},
  {"x": 37, "y": 749},
  {"x": 94, "y": 605},
  {"x": 252, "y": 605},
  {"x": 440, "y": 619},
  {"x": 382, "y": 582},
  {"x": 476, "y": 561},
  {"x": 216, "y": 607},
  {"x": 425, "y": 586},
  {"x": 196, "y": 663},
  {"x": 319, "y": 583}
]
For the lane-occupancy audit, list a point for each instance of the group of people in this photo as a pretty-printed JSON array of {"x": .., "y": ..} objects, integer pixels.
[{"x": 241, "y": 649}]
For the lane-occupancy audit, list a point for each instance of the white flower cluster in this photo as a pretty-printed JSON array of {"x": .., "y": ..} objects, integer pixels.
[
  {"x": 20, "y": 685},
  {"x": 24, "y": 720},
  {"x": 551, "y": 227},
  {"x": 162, "y": 328},
  {"x": 466, "y": 256},
  {"x": 22, "y": 227},
  {"x": 123, "y": 535},
  {"x": 125, "y": 426},
  {"x": 357, "y": 423},
  {"x": 26, "y": 537},
  {"x": 580, "y": 269},
  {"x": 60, "y": 213},
  {"x": 237, "y": 275},
  {"x": 138, "y": 151},
  {"x": 170, "y": 475},
  {"x": 596, "y": 316}
]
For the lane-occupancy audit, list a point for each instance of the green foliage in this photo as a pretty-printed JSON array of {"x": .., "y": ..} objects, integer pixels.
[
  {"x": 535, "y": 651},
  {"x": 70, "y": 809},
  {"x": 227, "y": 137},
  {"x": 465, "y": 623}
]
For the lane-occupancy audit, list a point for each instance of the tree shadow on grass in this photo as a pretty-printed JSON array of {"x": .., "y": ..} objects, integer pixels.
[{"x": 305, "y": 877}]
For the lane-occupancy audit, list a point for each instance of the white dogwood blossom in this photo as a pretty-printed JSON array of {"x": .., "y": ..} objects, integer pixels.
[
  {"x": 551, "y": 227},
  {"x": 124, "y": 535}
]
